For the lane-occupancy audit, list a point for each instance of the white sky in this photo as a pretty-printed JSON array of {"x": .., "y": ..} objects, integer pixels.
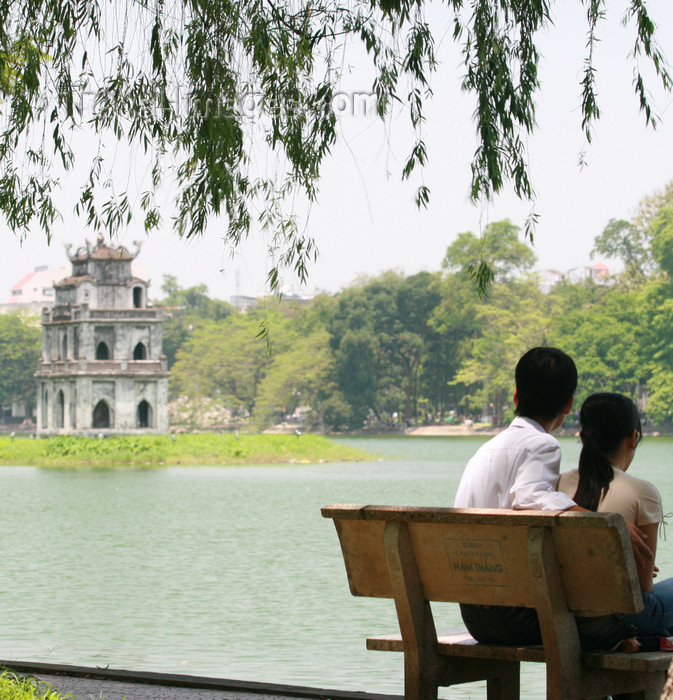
[{"x": 366, "y": 221}]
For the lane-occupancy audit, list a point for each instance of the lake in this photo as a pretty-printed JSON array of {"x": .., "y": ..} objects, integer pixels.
[{"x": 226, "y": 571}]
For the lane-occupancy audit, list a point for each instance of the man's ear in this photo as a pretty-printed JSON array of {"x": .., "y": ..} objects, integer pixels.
[
  {"x": 569, "y": 406},
  {"x": 515, "y": 398}
]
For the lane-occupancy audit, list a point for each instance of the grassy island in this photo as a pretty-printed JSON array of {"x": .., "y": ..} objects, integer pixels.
[{"x": 167, "y": 450}]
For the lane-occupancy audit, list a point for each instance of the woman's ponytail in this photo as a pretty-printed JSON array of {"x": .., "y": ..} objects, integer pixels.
[
  {"x": 605, "y": 420},
  {"x": 596, "y": 472}
]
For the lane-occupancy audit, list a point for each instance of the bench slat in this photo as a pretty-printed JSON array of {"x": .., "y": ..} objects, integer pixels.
[
  {"x": 461, "y": 644},
  {"x": 641, "y": 662}
]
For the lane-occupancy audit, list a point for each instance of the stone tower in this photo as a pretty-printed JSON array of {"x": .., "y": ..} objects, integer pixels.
[{"x": 102, "y": 369}]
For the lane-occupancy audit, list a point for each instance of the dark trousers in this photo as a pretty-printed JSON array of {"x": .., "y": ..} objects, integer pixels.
[
  {"x": 494, "y": 624},
  {"x": 519, "y": 626}
]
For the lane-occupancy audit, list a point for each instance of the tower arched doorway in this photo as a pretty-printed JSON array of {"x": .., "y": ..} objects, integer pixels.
[
  {"x": 145, "y": 418},
  {"x": 101, "y": 415},
  {"x": 59, "y": 410},
  {"x": 45, "y": 408},
  {"x": 140, "y": 352},
  {"x": 102, "y": 351}
]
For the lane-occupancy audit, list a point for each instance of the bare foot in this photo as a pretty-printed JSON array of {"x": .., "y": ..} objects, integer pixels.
[{"x": 630, "y": 646}]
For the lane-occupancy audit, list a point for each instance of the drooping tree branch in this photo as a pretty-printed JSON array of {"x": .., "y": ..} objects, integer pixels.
[{"x": 175, "y": 80}]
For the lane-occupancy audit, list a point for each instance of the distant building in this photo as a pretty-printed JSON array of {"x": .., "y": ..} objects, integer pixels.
[
  {"x": 102, "y": 368},
  {"x": 34, "y": 290},
  {"x": 297, "y": 298},
  {"x": 598, "y": 271},
  {"x": 548, "y": 278},
  {"x": 244, "y": 303}
]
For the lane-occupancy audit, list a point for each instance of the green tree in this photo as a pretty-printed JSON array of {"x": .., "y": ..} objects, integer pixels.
[
  {"x": 20, "y": 349},
  {"x": 633, "y": 242},
  {"x": 460, "y": 319},
  {"x": 661, "y": 231},
  {"x": 660, "y": 398},
  {"x": 454, "y": 321},
  {"x": 496, "y": 255},
  {"x": 655, "y": 316},
  {"x": 301, "y": 371},
  {"x": 417, "y": 298},
  {"x": 380, "y": 334},
  {"x": 184, "y": 310},
  {"x": 361, "y": 375},
  {"x": 602, "y": 329},
  {"x": 224, "y": 360},
  {"x": 261, "y": 378},
  {"x": 175, "y": 86},
  {"x": 512, "y": 321},
  {"x": 625, "y": 241},
  {"x": 193, "y": 299},
  {"x": 624, "y": 334},
  {"x": 360, "y": 329},
  {"x": 302, "y": 375}
]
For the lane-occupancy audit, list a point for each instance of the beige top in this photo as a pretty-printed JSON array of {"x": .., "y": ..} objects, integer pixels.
[{"x": 636, "y": 500}]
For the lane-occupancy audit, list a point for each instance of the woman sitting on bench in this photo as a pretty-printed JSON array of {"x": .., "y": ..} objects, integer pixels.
[{"x": 610, "y": 431}]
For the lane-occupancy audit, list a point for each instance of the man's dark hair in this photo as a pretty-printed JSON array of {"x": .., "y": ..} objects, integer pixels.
[{"x": 546, "y": 379}]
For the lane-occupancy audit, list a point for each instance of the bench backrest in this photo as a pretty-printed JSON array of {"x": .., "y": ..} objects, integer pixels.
[{"x": 490, "y": 557}]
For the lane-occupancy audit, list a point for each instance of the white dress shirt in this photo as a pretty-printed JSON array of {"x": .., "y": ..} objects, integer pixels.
[{"x": 518, "y": 468}]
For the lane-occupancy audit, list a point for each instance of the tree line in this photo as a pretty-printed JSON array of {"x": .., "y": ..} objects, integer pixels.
[
  {"x": 407, "y": 350},
  {"x": 397, "y": 350}
]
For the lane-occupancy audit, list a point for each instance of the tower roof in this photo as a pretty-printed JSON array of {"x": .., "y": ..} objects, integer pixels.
[{"x": 101, "y": 251}]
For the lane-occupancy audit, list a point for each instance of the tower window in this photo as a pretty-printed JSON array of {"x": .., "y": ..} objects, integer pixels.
[
  {"x": 140, "y": 352},
  {"x": 144, "y": 415},
  {"x": 45, "y": 406},
  {"x": 59, "y": 412},
  {"x": 101, "y": 415},
  {"x": 138, "y": 297},
  {"x": 102, "y": 351}
]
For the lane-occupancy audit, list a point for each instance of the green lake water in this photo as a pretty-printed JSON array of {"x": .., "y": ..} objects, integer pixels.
[{"x": 226, "y": 571}]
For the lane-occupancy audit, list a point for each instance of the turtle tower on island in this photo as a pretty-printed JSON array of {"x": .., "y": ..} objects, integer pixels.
[{"x": 102, "y": 370}]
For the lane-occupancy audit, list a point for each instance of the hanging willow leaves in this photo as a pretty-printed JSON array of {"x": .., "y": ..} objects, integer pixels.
[{"x": 175, "y": 80}]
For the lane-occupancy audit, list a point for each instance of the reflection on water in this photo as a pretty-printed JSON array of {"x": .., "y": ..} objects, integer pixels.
[{"x": 227, "y": 572}]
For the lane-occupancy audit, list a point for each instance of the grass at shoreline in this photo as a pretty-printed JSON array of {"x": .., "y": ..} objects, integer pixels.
[
  {"x": 163, "y": 450},
  {"x": 13, "y": 687}
]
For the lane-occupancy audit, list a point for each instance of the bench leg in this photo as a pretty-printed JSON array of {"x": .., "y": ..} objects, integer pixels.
[
  {"x": 421, "y": 657},
  {"x": 506, "y": 685},
  {"x": 419, "y": 684},
  {"x": 638, "y": 686},
  {"x": 502, "y": 677}
]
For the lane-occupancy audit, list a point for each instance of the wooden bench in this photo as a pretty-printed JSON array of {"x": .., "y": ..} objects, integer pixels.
[{"x": 557, "y": 563}]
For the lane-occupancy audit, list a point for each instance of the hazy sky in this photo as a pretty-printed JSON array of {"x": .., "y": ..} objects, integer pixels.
[{"x": 366, "y": 221}]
